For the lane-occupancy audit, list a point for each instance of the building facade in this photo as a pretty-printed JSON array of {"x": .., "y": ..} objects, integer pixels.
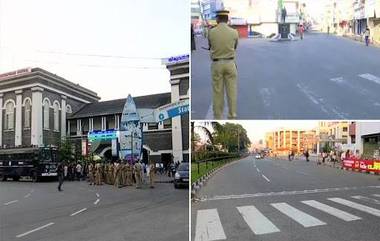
[
  {"x": 368, "y": 139},
  {"x": 39, "y": 108}
]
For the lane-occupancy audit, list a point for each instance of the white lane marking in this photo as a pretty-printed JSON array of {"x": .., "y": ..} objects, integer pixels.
[
  {"x": 258, "y": 223},
  {"x": 297, "y": 215},
  {"x": 210, "y": 111},
  {"x": 34, "y": 230},
  {"x": 97, "y": 200},
  {"x": 357, "y": 206},
  {"x": 338, "y": 80},
  {"x": 265, "y": 177},
  {"x": 8, "y": 203},
  {"x": 27, "y": 195},
  {"x": 376, "y": 195},
  {"x": 331, "y": 210},
  {"x": 77, "y": 212},
  {"x": 208, "y": 226},
  {"x": 258, "y": 170},
  {"x": 367, "y": 199},
  {"x": 249, "y": 195},
  {"x": 266, "y": 95},
  {"x": 97, "y": 194},
  {"x": 370, "y": 77}
]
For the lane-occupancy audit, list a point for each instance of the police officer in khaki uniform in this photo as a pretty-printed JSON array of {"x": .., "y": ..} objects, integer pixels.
[
  {"x": 223, "y": 41},
  {"x": 138, "y": 168},
  {"x": 151, "y": 174},
  {"x": 129, "y": 174}
]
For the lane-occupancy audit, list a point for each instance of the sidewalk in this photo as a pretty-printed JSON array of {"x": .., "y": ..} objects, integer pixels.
[{"x": 359, "y": 39}]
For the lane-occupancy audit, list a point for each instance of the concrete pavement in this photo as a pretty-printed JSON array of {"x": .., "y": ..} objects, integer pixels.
[
  {"x": 320, "y": 77},
  {"x": 37, "y": 211},
  {"x": 280, "y": 200}
]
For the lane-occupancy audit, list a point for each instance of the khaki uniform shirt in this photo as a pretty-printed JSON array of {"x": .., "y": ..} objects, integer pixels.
[{"x": 223, "y": 41}]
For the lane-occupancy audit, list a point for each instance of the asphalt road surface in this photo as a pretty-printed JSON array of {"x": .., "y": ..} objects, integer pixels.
[
  {"x": 320, "y": 77},
  {"x": 38, "y": 212},
  {"x": 271, "y": 200}
]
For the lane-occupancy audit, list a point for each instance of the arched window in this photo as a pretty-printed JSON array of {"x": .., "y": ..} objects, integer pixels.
[
  {"x": 9, "y": 115},
  {"x": 56, "y": 116},
  {"x": 27, "y": 110},
  {"x": 68, "y": 109},
  {"x": 46, "y": 107}
]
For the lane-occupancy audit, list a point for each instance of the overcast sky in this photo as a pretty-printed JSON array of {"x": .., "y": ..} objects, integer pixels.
[{"x": 67, "y": 37}]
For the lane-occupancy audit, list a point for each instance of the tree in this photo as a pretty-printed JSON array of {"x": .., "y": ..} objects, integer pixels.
[
  {"x": 65, "y": 150},
  {"x": 232, "y": 137}
]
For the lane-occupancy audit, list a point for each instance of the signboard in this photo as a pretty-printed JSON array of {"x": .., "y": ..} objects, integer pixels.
[
  {"x": 171, "y": 110},
  {"x": 177, "y": 59},
  {"x": 130, "y": 136},
  {"x": 102, "y": 135},
  {"x": 362, "y": 165},
  {"x": 14, "y": 73}
]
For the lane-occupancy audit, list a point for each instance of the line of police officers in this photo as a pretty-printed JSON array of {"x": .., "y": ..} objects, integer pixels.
[{"x": 120, "y": 174}]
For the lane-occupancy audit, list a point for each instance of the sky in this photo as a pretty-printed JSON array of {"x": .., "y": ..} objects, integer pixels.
[
  {"x": 113, "y": 47},
  {"x": 256, "y": 129}
]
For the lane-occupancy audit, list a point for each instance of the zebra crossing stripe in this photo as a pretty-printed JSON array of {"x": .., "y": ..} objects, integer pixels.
[
  {"x": 208, "y": 226},
  {"x": 331, "y": 210},
  {"x": 357, "y": 206},
  {"x": 367, "y": 199},
  {"x": 370, "y": 77},
  {"x": 258, "y": 223},
  {"x": 297, "y": 215},
  {"x": 376, "y": 195}
]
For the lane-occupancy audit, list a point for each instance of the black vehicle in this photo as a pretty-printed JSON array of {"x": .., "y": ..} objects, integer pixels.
[
  {"x": 181, "y": 177},
  {"x": 35, "y": 162}
]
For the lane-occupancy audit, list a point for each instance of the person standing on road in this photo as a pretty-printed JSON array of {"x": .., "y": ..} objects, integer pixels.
[
  {"x": 138, "y": 168},
  {"x": 60, "y": 174},
  {"x": 307, "y": 155},
  {"x": 301, "y": 30},
  {"x": 151, "y": 174},
  {"x": 223, "y": 41},
  {"x": 366, "y": 36}
]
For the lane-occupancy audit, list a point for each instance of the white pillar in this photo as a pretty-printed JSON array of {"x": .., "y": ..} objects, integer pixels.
[
  {"x": 1, "y": 119},
  {"x": 63, "y": 116},
  {"x": 79, "y": 127},
  {"x": 176, "y": 125},
  {"x": 298, "y": 141},
  {"x": 18, "y": 126},
  {"x": 36, "y": 131},
  {"x": 291, "y": 140}
]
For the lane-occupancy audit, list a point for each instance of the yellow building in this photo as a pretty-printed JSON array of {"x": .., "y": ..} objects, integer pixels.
[{"x": 283, "y": 141}]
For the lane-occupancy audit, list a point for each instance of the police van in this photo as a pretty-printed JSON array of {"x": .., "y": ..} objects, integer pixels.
[{"x": 34, "y": 162}]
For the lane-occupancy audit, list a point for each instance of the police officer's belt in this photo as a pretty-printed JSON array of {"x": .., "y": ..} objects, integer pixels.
[{"x": 216, "y": 60}]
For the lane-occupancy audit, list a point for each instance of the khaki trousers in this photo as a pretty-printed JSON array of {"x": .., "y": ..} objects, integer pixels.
[{"x": 224, "y": 76}]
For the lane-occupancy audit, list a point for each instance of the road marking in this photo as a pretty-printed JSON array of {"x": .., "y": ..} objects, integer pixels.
[
  {"x": 371, "y": 200},
  {"x": 27, "y": 195},
  {"x": 331, "y": 210},
  {"x": 357, "y": 206},
  {"x": 265, "y": 177},
  {"x": 370, "y": 77},
  {"x": 97, "y": 200},
  {"x": 249, "y": 195},
  {"x": 97, "y": 194},
  {"x": 257, "y": 169},
  {"x": 258, "y": 223},
  {"x": 77, "y": 212},
  {"x": 338, "y": 80},
  {"x": 208, "y": 226},
  {"x": 297, "y": 215},
  {"x": 210, "y": 112},
  {"x": 34, "y": 230},
  {"x": 376, "y": 195},
  {"x": 8, "y": 203}
]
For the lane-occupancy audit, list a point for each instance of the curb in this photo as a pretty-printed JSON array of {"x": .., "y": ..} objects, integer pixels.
[{"x": 202, "y": 181}]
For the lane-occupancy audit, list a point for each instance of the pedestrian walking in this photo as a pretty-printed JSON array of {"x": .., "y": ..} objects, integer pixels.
[
  {"x": 223, "y": 41},
  {"x": 78, "y": 170},
  {"x": 307, "y": 155},
  {"x": 301, "y": 30},
  {"x": 151, "y": 175},
  {"x": 60, "y": 174},
  {"x": 65, "y": 171},
  {"x": 192, "y": 39},
  {"x": 367, "y": 34}
]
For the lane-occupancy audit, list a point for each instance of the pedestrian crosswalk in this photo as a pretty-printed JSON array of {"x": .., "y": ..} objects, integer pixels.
[{"x": 209, "y": 226}]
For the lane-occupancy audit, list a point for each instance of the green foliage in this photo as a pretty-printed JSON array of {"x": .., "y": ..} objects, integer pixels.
[
  {"x": 326, "y": 148},
  {"x": 65, "y": 151},
  {"x": 231, "y": 137}
]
